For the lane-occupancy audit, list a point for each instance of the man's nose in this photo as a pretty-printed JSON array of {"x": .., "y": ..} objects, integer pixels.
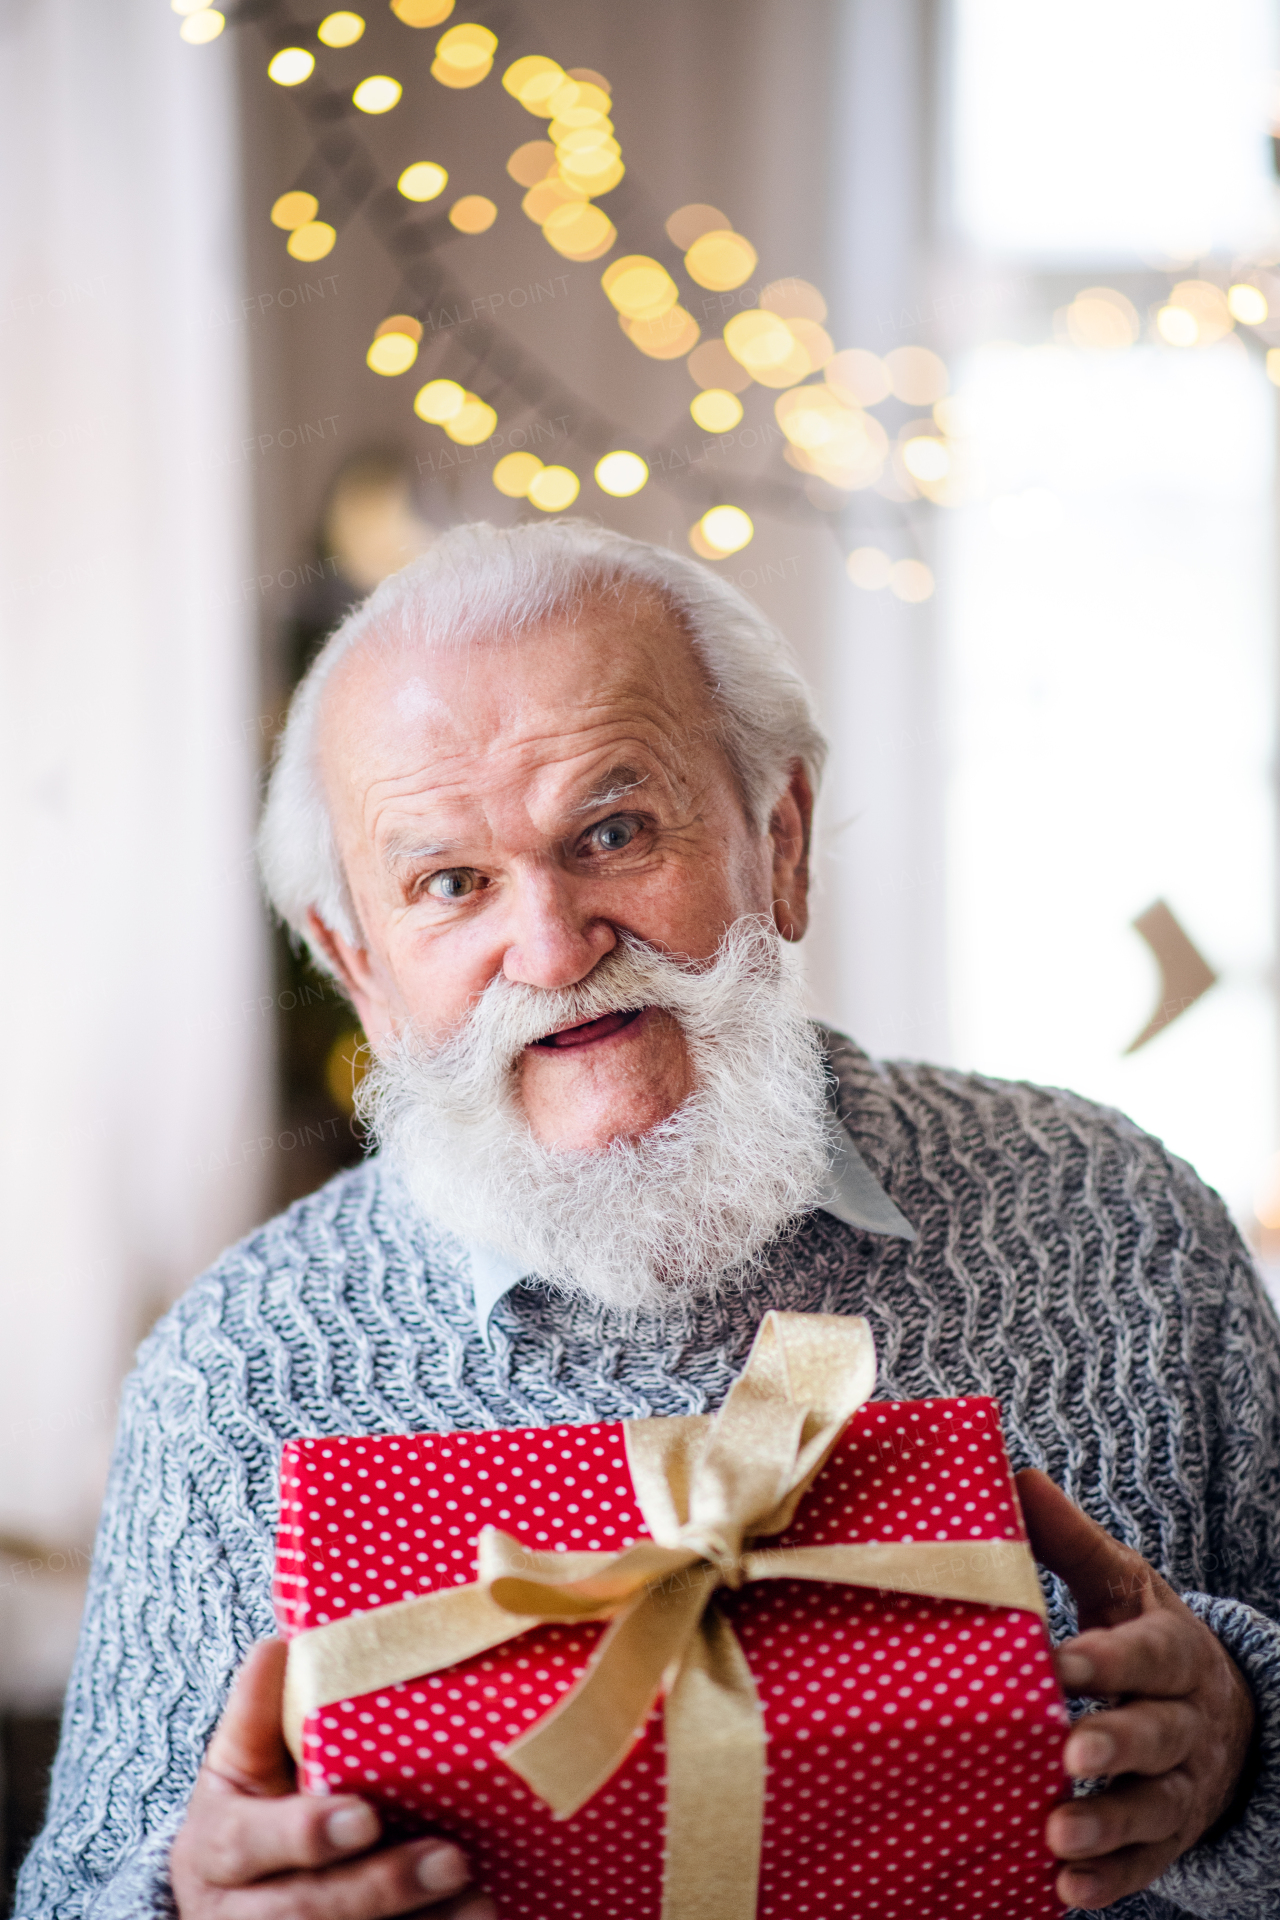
[{"x": 554, "y": 938}]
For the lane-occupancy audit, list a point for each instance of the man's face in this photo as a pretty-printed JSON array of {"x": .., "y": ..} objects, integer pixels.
[{"x": 509, "y": 808}]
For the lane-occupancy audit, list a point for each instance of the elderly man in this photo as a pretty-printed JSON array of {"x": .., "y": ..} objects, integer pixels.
[{"x": 543, "y": 808}]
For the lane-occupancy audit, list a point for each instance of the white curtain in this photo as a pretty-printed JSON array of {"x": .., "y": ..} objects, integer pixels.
[{"x": 135, "y": 1043}]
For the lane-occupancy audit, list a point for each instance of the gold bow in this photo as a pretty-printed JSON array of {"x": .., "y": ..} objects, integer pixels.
[{"x": 706, "y": 1488}]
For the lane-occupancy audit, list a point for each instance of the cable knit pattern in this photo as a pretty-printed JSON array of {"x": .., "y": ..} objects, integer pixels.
[{"x": 1065, "y": 1264}]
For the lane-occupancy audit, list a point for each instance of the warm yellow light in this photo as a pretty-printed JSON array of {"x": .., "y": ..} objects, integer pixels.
[
  {"x": 712, "y": 365},
  {"x": 185, "y": 7},
  {"x": 688, "y": 224},
  {"x": 794, "y": 300},
  {"x": 579, "y": 231},
  {"x": 474, "y": 421},
  {"x": 668, "y": 337},
  {"x": 532, "y": 162},
  {"x": 760, "y": 341},
  {"x": 424, "y": 180},
  {"x": 911, "y": 580},
  {"x": 340, "y": 29},
  {"x": 1177, "y": 326},
  {"x": 926, "y": 458},
  {"x": 727, "y": 529},
  {"x": 858, "y": 376},
  {"x": 532, "y": 81},
  {"x": 720, "y": 260},
  {"x": 399, "y": 323},
  {"x": 579, "y": 96},
  {"x": 1273, "y": 365},
  {"x": 541, "y": 201},
  {"x": 716, "y": 410},
  {"x": 290, "y": 66},
  {"x": 422, "y": 13},
  {"x": 464, "y": 55},
  {"x": 597, "y": 171},
  {"x": 439, "y": 401},
  {"x": 916, "y": 375},
  {"x": 554, "y": 489},
  {"x": 569, "y": 140},
  {"x": 472, "y": 214},
  {"x": 1102, "y": 318},
  {"x": 639, "y": 287},
  {"x": 515, "y": 472},
  {"x": 811, "y": 417},
  {"x": 840, "y": 444},
  {"x": 621, "y": 474},
  {"x": 869, "y": 567},
  {"x": 813, "y": 340},
  {"x": 293, "y": 210},
  {"x": 202, "y": 26},
  {"x": 1248, "y": 304},
  {"x": 312, "y": 241},
  {"x": 392, "y": 353},
  {"x": 378, "y": 94}
]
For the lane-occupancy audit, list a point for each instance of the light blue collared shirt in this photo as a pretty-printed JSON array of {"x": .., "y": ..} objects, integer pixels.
[{"x": 852, "y": 1194}]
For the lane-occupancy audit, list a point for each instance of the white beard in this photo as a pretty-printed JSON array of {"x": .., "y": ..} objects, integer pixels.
[{"x": 687, "y": 1209}]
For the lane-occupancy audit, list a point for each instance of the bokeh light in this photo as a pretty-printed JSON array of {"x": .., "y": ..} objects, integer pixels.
[
  {"x": 688, "y": 224},
  {"x": 378, "y": 94},
  {"x": 1197, "y": 315},
  {"x": 640, "y": 288},
  {"x": 532, "y": 81},
  {"x": 869, "y": 568},
  {"x": 794, "y": 300},
  {"x": 621, "y": 474},
  {"x": 473, "y": 422},
  {"x": 579, "y": 231},
  {"x": 202, "y": 26},
  {"x": 464, "y": 55},
  {"x": 925, "y": 457},
  {"x": 532, "y": 162},
  {"x": 514, "y": 474},
  {"x": 291, "y": 66},
  {"x": 424, "y": 180},
  {"x": 727, "y": 529},
  {"x": 1102, "y": 318},
  {"x": 916, "y": 375},
  {"x": 312, "y": 241},
  {"x": 712, "y": 365},
  {"x": 472, "y": 214},
  {"x": 439, "y": 401},
  {"x": 293, "y": 210},
  {"x": 858, "y": 376},
  {"x": 1273, "y": 365},
  {"x": 340, "y": 29},
  {"x": 1247, "y": 303},
  {"x": 392, "y": 352},
  {"x": 716, "y": 410},
  {"x": 422, "y": 13},
  {"x": 667, "y": 337},
  {"x": 720, "y": 260},
  {"x": 911, "y": 580},
  {"x": 554, "y": 489}
]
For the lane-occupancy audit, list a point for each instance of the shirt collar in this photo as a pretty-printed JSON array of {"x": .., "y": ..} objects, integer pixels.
[{"x": 851, "y": 1194}]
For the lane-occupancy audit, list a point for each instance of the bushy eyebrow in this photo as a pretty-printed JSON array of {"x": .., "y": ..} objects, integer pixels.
[
  {"x": 401, "y": 846},
  {"x": 614, "y": 785}
]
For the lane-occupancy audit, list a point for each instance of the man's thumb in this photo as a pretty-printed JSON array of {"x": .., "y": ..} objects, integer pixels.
[
  {"x": 247, "y": 1748},
  {"x": 1110, "y": 1583}
]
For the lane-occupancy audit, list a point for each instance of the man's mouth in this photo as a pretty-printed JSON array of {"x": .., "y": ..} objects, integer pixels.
[{"x": 590, "y": 1030}]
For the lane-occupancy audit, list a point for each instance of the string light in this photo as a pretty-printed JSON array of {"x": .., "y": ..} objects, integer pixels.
[
  {"x": 340, "y": 29},
  {"x": 312, "y": 241},
  {"x": 553, "y": 489},
  {"x": 378, "y": 94},
  {"x": 293, "y": 210},
  {"x": 716, "y": 410},
  {"x": 472, "y": 214},
  {"x": 621, "y": 474},
  {"x": 515, "y": 473},
  {"x": 424, "y": 180},
  {"x": 202, "y": 26},
  {"x": 291, "y": 66}
]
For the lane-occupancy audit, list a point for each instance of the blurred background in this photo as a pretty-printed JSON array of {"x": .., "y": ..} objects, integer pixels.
[{"x": 948, "y": 329}]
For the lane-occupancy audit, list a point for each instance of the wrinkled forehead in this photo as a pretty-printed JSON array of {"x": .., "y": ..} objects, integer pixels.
[{"x": 622, "y": 664}]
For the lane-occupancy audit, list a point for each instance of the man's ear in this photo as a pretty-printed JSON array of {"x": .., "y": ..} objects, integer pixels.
[
  {"x": 359, "y": 978},
  {"x": 790, "y": 825}
]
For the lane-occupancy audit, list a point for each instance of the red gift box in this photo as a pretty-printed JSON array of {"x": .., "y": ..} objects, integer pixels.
[{"x": 913, "y": 1743}]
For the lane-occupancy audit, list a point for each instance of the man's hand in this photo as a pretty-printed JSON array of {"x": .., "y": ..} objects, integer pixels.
[
  {"x": 252, "y": 1848},
  {"x": 1177, "y": 1737}
]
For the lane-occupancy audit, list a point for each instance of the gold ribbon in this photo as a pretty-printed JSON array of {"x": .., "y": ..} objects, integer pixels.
[{"x": 705, "y": 1488}]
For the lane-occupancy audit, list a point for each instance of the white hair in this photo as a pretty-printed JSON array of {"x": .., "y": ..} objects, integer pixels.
[{"x": 481, "y": 582}]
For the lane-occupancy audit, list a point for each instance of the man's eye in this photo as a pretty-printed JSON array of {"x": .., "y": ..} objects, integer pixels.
[
  {"x": 611, "y": 836},
  {"x": 455, "y": 883}
]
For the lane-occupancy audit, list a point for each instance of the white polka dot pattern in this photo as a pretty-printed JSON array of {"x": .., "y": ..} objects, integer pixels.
[{"x": 914, "y": 1744}]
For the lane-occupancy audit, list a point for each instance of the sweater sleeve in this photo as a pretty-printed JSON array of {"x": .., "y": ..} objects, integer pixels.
[
  {"x": 165, "y": 1626},
  {"x": 1237, "y": 1876}
]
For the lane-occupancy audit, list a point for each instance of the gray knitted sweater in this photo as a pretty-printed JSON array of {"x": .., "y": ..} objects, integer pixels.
[{"x": 1065, "y": 1264}]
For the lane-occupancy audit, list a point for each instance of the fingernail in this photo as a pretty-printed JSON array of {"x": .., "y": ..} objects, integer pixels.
[
  {"x": 1086, "y": 1831},
  {"x": 1075, "y": 1669},
  {"x": 352, "y": 1827},
  {"x": 442, "y": 1870},
  {"x": 1089, "y": 1754}
]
